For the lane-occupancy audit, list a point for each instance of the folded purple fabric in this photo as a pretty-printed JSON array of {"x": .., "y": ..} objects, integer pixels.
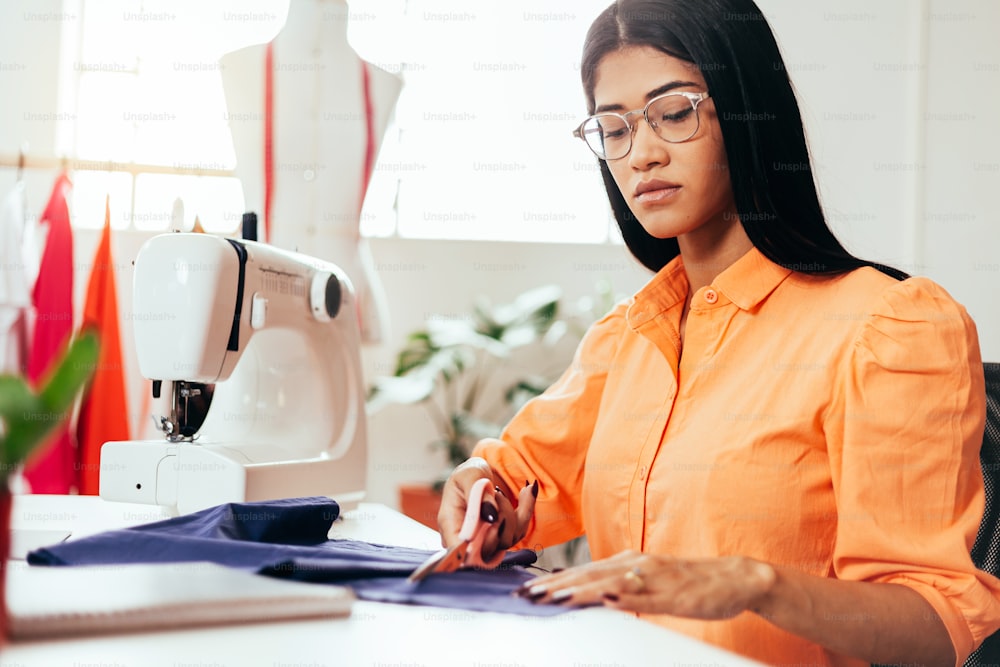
[{"x": 287, "y": 539}]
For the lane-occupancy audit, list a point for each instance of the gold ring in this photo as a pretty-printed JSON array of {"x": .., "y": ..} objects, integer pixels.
[{"x": 634, "y": 577}]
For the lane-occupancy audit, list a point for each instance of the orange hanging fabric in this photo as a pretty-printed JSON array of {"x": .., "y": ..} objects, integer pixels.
[
  {"x": 104, "y": 409},
  {"x": 51, "y": 470}
]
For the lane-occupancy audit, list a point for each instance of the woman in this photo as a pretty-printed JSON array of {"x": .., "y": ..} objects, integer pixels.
[{"x": 772, "y": 446}]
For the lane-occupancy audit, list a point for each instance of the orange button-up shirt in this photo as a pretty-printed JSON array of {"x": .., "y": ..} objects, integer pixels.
[{"x": 831, "y": 424}]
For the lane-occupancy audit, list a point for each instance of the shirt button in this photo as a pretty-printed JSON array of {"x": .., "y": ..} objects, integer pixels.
[{"x": 711, "y": 296}]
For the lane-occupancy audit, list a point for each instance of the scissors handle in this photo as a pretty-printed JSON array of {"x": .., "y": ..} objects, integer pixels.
[
  {"x": 473, "y": 510},
  {"x": 468, "y": 551},
  {"x": 474, "y": 530}
]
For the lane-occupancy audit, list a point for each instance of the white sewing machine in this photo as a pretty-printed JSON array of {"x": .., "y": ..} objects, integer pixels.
[{"x": 278, "y": 331}]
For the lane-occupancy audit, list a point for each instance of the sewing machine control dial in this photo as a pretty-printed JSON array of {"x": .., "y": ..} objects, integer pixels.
[{"x": 325, "y": 296}]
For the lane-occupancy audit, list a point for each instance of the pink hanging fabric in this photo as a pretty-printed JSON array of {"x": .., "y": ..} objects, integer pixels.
[{"x": 52, "y": 470}]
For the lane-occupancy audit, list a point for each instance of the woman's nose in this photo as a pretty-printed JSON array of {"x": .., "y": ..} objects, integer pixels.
[{"x": 648, "y": 149}]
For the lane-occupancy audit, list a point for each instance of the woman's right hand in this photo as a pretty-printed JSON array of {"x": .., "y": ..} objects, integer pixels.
[{"x": 508, "y": 524}]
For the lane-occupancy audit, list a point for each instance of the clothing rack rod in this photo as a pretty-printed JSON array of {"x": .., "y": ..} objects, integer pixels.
[{"x": 134, "y": 168}]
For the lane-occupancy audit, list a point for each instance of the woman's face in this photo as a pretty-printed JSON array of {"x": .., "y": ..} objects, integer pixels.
[{"x": 673, "y": 189}]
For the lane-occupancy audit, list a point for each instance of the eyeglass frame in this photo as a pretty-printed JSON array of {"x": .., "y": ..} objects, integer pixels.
[{"x": 694, "y": 98}]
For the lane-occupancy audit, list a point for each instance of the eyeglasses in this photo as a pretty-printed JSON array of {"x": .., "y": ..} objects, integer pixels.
[{"x": 674, "y": 118}]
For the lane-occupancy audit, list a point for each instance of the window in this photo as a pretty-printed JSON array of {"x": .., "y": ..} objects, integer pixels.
[
  {"x": 141, "y": 79},
  {"x": 481, "y": 147}
]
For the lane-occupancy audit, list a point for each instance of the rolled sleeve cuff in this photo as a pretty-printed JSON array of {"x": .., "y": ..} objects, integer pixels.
[{"x": 957, "y": 621}]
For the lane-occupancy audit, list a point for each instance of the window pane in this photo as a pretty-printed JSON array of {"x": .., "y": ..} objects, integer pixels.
[
  {"x": 182, "y": 107},
  {"x": 90, "y": 188},
  {"x": 217, "y": 202},
  {"x": 492, "y": 94},
  {"x": 105, "y": 129}
]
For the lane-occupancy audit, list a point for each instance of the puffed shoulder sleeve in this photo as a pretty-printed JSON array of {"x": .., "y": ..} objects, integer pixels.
[
  {"x": 548, "y": 438},
  {"x": 904, "y": 437}
]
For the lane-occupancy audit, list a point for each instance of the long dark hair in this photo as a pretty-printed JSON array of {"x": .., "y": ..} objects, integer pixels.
[{"x": 769, "y": 166}]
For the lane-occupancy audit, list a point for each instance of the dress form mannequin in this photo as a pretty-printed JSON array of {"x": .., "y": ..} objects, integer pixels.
[{"x": 319, "y": 141}]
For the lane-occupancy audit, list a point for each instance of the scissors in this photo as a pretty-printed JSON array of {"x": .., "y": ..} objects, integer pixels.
[{"x": 468, "y": 550}]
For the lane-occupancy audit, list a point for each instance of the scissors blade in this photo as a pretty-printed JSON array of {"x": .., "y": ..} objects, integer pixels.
[
  {"x": 427, "y": 567},
  {"x": 449, "y": 560},
  {"x": 446, "y": 560}
]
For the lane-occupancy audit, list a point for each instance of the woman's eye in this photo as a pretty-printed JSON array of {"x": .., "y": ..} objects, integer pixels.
[{"x": 676, "y": 116}]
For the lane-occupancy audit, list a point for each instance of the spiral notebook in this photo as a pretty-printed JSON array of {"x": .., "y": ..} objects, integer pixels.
[{"x": 46, "y": 602}]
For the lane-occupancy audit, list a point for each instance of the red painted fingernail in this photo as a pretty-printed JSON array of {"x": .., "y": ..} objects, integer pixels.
[
  {"x": 610, "y": 597},
  {"x": 534, "y": 489},
  {"x": 488, "y": 513}
]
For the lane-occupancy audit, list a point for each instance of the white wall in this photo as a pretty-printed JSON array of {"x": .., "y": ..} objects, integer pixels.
[{"x": 900, "y": 98}]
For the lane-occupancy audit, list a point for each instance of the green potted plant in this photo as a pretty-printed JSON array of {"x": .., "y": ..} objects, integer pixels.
[
  {"x": 471, "y": 374},
  {"x": 27, "y": 417}
]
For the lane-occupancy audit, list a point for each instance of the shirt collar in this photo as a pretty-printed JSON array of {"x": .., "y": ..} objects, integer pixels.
[
  {"x": 746, "y": 282},
  {"x": 750, "y": 279},
  {"x": 666, "y": 289}
]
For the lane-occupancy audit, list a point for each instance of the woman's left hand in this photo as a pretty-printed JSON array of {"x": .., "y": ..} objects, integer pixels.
[{"x": 712, "y": 588}]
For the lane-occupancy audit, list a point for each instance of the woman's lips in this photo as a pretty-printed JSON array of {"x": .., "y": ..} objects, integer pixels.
[{"x": 657, "y": 194}]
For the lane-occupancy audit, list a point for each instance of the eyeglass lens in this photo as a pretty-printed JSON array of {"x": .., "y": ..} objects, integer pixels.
[{"x": 674, "y": 118}]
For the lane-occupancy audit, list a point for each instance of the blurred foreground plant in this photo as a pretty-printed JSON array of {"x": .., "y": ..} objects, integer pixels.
[{"x": 27, "y": 417}]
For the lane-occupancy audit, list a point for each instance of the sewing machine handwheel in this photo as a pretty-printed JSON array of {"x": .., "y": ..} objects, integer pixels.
[{"x": 325, "y": 296}]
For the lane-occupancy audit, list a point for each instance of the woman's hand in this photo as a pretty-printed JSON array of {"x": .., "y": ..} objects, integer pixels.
[
  {"x": 712, "y": 588},
  {"x": 509, "y": 524},
  {"x": 880, "y": 623}
]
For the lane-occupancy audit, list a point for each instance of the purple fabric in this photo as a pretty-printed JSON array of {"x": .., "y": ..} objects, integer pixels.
[{"x": 287, "y": 539}]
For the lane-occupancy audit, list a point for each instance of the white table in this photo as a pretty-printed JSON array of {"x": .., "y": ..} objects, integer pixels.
[{"x": 375, "y": 635}]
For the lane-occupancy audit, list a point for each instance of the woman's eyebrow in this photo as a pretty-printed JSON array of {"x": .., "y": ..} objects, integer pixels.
[{"x": 665, "y": 88}]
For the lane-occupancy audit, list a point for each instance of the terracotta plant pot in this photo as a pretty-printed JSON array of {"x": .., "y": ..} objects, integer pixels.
[
  {"x": 6, "y": 506},
  {"x": 420, "y": 502}
]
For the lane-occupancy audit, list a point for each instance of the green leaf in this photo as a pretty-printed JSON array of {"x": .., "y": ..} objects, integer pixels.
[
  {"x": 485, "y": 322},
  {"x": 24, "y": 421},
  {"x": 29, "y": 419},
  {"x": 416, "y": 353},
  {"x": 537, "y": 305},
  {"x": 555, "y": 333},
  {"x": 400, "y": 390},
  {"x": 474, "y": 428},
  {"x": 520, "y": 335},
  {"x": 71, "y": 374},
  {"x": 455, "y": 334},
  {"x": 524, "y": 390},
  {"x": 15, "y": 397}
]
